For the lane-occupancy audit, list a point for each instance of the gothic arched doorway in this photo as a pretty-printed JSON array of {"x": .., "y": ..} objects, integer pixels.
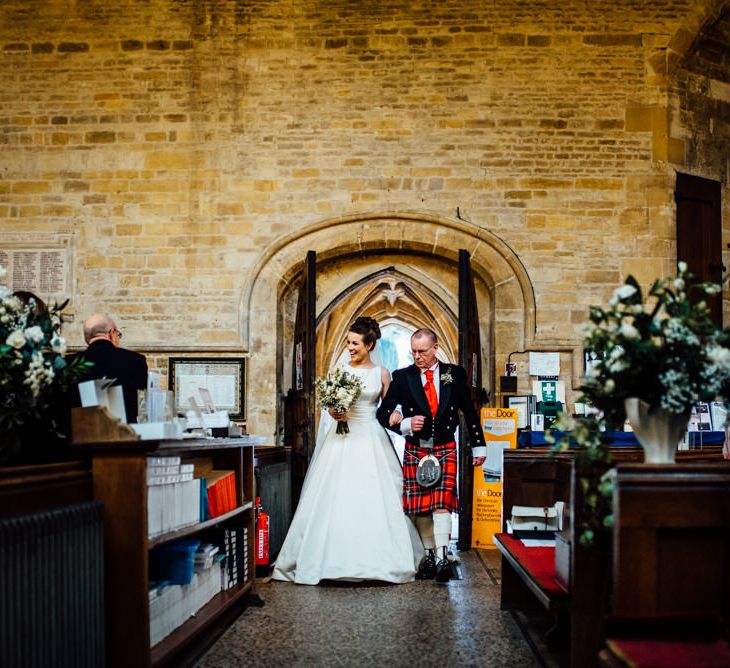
[{"x": 419, "y": 250}]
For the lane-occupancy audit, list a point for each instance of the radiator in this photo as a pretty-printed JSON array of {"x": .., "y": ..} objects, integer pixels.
[{"x": 52, "y": 589}]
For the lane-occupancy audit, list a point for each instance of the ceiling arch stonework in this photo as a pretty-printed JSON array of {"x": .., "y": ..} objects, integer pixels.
[
  {"x": 707, "y": 19},
  {"x": 387, "y": 296},
  {"x": 493, "y": 260},
  {"x": 416, "y": 239}
]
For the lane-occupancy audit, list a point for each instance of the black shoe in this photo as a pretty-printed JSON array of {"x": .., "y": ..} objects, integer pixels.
[
  {"x": 443, "y": 570},
  {"x": 427, "y": 567}
]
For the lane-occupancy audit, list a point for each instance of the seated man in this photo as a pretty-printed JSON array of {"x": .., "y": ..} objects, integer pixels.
[{"x": 110, "y": 361}]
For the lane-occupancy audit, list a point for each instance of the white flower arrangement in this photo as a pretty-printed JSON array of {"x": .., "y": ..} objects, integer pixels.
[
  {"x": 33, "y": 372},
  {"x": 338, "y": 391},
  {"x": 447, "y": 378},
  {"x": 667, "y": 352}
]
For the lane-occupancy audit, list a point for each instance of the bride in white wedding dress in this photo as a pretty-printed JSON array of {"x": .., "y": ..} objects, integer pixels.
[{"x": 350, "y": 523}]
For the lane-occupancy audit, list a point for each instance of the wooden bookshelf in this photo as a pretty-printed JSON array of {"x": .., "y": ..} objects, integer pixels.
[{"x": 120, "y": 483}]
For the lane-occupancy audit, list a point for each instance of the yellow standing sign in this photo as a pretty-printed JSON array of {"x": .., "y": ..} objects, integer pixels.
[{"x": 500, "y": 432}]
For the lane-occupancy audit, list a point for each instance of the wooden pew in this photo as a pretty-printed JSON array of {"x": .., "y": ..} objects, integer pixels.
[
  {"x": 671, "y": 563},
  {"x": 528, "y": 581},
  {"x": 533, "y": 478}
]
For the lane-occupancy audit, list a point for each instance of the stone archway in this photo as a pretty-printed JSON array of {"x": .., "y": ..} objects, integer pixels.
[
  {"x": 412, "y": 240},
  {"x": 389, "y": 295}
]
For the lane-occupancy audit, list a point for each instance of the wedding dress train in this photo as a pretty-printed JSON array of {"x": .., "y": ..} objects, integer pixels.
[{"x": 350, "y": 524}]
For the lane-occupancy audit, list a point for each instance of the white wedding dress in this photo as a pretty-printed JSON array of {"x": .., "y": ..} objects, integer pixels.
[{"x": 350, "y": 524}]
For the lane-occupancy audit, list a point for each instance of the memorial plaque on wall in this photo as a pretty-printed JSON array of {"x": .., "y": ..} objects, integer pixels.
[{"x": 37, "y": 263}]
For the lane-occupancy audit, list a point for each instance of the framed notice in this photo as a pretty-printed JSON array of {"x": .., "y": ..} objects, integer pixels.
[
  {"x": 223, "y": 378},
  {"x": 525, "y": 406}
]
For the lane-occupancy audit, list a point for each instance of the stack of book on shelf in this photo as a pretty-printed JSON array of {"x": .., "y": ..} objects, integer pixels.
[
  {"x": 173, "y": 604},
  {"x": 173, "y": 495},
  {"x": 218, "y": 488},
  {"x": 221, "y": 489},
  {"x": 236, "y": 563}
]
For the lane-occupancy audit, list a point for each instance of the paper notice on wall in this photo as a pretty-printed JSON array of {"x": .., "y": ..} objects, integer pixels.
[
  {"x": 220, "y": 388},
  {"x": 42, "y": 271},
  {"x": 544, "y": 364}
]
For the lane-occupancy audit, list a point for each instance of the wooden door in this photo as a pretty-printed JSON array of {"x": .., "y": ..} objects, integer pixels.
[
  {"x": 699, "y": 232},
  {"x": 470, "y": 358},
  {"x": 300, "y": 400}
]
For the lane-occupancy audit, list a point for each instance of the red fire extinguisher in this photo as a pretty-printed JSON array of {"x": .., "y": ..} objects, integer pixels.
[{"x": 262, "y": 535}]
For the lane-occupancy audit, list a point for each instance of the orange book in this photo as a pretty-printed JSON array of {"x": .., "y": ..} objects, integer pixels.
[
  {"x": 213, "y": 502},
  {"x": 234, "y": 496},
  {"x": 222, "y": 486},
  {"x": 215, "y": 481}
]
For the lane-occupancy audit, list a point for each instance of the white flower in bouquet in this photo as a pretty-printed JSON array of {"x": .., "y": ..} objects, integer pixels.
[
  {"x": 338, "y": 391},
  {"x": 16, "y": 339}
]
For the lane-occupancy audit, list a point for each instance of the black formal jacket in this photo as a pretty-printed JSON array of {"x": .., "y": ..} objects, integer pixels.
[
  {"x": 128, "y": 367},
  {"x": 406, "y": 389}
]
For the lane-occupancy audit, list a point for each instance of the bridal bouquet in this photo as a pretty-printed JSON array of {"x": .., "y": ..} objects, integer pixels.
[{"x": 338, "y": 391}]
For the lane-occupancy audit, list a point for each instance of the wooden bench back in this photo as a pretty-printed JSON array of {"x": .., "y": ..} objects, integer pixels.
[
  {"x": 533, "y": 479},
  {"x": 671, "y": 539}
]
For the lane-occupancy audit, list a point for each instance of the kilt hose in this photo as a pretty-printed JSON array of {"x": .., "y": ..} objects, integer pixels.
[{"x": 418, "y": 500}]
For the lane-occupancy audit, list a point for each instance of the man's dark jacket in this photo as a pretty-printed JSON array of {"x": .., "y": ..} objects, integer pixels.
[{"x": 128, "y": 367}]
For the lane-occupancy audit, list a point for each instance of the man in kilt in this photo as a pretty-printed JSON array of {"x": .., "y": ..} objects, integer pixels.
[{"x": 430, "y": 395}]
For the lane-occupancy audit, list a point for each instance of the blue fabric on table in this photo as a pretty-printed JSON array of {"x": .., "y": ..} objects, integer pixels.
[{"x": 528, "y": 439}]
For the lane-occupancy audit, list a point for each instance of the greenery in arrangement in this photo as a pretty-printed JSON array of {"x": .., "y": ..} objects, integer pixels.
[
  {"x": 584, "y": 438},
  {"x": 34, "y": 376},
  {"x": 666, "y": 351}
]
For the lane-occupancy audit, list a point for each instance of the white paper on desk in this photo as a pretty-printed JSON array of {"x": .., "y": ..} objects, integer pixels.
[
  {"x": 101, "y": 392},
  {"x": 538, "y": 542},
  {"x": 116, "y": 402},
  {"x": 210, "y": 420},
  {"x": 153, "y": 380},
  {"x": 207, "y": 399}
]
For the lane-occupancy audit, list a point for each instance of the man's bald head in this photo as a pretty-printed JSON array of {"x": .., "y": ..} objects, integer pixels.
[{"x": 99, "y": 326}]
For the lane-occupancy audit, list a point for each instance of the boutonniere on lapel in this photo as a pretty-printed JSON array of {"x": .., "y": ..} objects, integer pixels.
[{"x": 446, "y": 378}]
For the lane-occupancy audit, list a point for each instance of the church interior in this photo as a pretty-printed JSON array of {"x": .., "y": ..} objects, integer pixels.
[{"x": 234, "y": 182}]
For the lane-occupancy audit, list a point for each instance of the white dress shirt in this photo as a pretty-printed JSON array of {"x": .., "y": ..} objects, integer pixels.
[{"x": 405, "y": 425}]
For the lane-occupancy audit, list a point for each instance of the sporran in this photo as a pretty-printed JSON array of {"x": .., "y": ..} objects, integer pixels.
[{"x": 428, "y": 472}]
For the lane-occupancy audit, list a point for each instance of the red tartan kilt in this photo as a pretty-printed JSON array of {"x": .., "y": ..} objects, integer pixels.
[{"x": 417, "y": 499}]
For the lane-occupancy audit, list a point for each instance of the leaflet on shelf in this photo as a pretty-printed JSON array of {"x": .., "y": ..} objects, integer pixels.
[
  {"x": 162, "y": 470},
  {"x": 173, "y": 605},
  {"x": 163, "y": 461},
  {"x": 172, "y": 506},
  {"x": 236, "y": 549},
  {"x": 170, "y": 473}
]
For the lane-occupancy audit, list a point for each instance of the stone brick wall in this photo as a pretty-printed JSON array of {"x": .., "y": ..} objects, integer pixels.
[{"x": 178, "y": 141}]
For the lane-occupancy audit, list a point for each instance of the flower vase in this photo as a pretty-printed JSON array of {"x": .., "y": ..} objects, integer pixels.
[{"x": 657, "y": 430}]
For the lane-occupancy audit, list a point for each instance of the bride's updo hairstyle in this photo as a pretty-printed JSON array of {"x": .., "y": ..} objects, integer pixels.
[{"x": 368, "y": 328}]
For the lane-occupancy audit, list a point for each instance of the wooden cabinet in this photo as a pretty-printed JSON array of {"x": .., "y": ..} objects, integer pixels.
[{"x": 120, "y": 483}]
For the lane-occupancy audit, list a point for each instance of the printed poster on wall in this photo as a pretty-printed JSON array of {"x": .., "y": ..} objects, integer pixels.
[{"x": 500, "y": 432}]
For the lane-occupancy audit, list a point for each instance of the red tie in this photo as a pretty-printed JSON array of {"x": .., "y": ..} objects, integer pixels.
[{"x": 430, "y": 389}]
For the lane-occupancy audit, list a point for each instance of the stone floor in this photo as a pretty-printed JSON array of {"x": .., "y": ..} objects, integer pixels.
[{"x": 417, "y": 624}]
